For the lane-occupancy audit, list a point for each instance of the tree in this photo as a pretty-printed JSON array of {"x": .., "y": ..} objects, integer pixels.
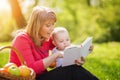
[{"x": 17, "y": 14}]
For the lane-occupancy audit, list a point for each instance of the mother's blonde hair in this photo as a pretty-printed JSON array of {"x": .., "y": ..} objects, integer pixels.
[{"x": 37, "y": 19}]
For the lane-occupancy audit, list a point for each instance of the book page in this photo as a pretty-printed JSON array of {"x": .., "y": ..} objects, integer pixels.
[
  {"x": 85, "y": 46},
  {"x": 73, "y": 53},
  {"x": 70, "y": 55}
]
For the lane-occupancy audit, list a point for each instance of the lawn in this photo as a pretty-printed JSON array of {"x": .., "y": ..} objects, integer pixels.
[
  {"x": 104, "y": 61},
  {"x": 4, "y": 54}
]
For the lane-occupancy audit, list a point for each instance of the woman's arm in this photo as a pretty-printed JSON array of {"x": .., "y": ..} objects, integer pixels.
[
  {"x": 30, "y": 55},
  {"x": 48, "y": 61}
]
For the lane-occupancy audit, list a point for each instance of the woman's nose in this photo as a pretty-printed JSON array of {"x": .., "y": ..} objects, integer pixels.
[{"x": 52, "y": 28}]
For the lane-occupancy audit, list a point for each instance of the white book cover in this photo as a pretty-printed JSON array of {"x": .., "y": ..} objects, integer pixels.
[
  {"x": 85, "y": 46},
  {"x": 73, "y": 53}
]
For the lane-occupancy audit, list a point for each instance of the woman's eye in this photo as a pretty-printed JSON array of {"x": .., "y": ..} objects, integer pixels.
[
  {"x": 61, "y": 41},
  {"x": 47, "y": 25}
]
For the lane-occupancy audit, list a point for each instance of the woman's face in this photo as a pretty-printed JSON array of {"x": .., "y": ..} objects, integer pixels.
[{"x": 47, "y": 29}]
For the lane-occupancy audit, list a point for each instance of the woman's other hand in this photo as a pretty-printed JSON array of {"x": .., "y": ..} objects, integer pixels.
[
  {"x": 80, "y": 61},
  {"x": 91, "y": 48}
]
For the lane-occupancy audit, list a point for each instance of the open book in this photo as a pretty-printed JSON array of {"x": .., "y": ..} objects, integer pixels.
[{"x": 73, "y": 53}]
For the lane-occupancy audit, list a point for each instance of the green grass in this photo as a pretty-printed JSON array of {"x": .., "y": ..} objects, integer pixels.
[
  {"x": 4, "y": 57},
  {"x": 5, "y": 43},
  {"x": 104, "y": 61},
  {"x": 4, "y": 54}
]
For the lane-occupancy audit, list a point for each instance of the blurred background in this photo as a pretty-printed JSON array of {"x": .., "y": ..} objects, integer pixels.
[{"x": 83, "y": 18}]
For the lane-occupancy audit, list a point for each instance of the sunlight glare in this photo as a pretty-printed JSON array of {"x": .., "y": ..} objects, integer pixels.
[{"x": 4, "y": 5}]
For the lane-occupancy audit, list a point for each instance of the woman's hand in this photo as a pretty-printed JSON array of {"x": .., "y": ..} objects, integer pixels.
[
  {"x": 91, "y": 48},
  {"x": 51, "y": 59},
  {"x": 80, "y": 61}
]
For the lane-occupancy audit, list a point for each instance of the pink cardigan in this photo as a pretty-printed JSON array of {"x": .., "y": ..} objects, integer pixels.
[{"x": 32, "y": 54}]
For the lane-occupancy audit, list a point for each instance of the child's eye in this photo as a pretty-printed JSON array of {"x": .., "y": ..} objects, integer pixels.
[
  {"x": 67, "y": 39},
  {"x": 48, "y": 25}
]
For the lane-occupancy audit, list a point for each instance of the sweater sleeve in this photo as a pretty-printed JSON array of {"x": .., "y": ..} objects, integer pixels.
[
  {"x": 25, "y": 46},
  {"x": 51, "y": 45}
]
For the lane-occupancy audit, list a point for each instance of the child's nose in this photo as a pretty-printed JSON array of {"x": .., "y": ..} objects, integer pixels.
[{"x": 65, "y": 44}]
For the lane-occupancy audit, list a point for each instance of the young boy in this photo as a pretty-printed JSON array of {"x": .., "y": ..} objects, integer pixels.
[{"x": 61, "y": 40}]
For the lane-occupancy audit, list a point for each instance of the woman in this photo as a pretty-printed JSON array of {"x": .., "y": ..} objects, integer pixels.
[{"x": 34, "y": 44}]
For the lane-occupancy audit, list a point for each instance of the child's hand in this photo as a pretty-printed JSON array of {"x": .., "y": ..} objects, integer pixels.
[{"x": 59, "y": 55}]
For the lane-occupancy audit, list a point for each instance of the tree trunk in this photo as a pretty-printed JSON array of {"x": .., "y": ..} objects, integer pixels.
[{"x": 17, "y": 14}]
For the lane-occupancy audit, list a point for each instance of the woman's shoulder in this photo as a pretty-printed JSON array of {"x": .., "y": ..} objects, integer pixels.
[{"x": 22, "y": 36}]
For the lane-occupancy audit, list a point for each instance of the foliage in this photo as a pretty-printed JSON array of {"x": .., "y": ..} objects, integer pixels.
[
  {"x": 79, "y": 17},
  {"x": 82, "y": 20},
  {"x": 109, "y": 20},
  {"x": 6, "y": 31}
]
